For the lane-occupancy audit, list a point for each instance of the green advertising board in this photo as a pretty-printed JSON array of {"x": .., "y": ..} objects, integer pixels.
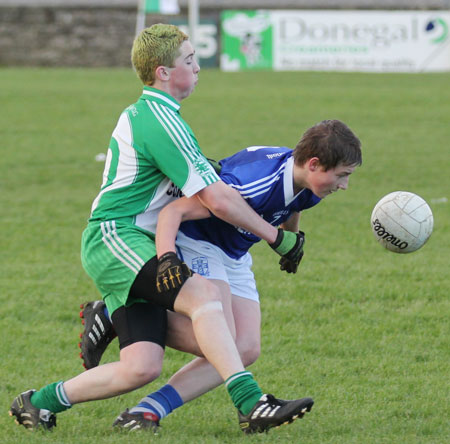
[{"x": 246, "y": 40}]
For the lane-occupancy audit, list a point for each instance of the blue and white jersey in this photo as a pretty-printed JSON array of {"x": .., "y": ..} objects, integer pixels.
[{"x": 264, "y": 177}]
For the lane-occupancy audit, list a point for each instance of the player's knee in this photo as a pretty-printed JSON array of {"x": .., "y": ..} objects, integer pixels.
[
  {"x": 249, "y": 351},
  {"x": 139, "y": 375},
  {"x": 206, "y": 291},
  {"x": 206, "y": 310},
  {"x": 197, "y": 296},
  {"x": 140, "y": 370},
  {"x": 208, "y": 301},
  {"x": 211, "y": 291}
]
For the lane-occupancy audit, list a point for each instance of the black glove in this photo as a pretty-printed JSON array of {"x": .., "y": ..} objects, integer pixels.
[
  {"x": 171, "y": 273},
  {"x": 289, "y": 266},
  {"x": 289, "y": 245}
]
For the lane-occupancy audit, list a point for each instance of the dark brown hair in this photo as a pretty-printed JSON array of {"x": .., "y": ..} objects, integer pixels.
[{"x": 332, "y": 142}]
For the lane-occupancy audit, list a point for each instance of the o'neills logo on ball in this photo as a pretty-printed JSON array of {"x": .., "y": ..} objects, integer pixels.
[{"x": 388, "y": 237}]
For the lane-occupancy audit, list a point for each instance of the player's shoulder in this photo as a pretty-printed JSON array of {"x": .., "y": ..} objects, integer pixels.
[
  {"x": 137, "y": 111},
  {"x": 254, "y": 164},
  {"x": 265, "y": 151},
  {"x": 142, "y": 118},
  {"x": 256, "y": 153}
]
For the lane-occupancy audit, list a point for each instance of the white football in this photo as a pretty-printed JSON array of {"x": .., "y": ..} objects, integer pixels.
[{"x": 402, "y": 222}]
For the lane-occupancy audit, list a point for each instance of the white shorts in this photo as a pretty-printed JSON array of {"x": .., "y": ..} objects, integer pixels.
[{"x": 210, "y": 261}]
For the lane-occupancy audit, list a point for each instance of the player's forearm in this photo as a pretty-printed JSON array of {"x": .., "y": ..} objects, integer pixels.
[
  {"x": 227, "y": 204},
  {"x": 292, "y": 223},
  {"x": 166, "y": 230},
  {"x": 170, "y": 218}
]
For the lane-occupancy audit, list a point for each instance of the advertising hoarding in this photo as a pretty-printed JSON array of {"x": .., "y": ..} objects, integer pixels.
[{"x": 372, "y": 41}]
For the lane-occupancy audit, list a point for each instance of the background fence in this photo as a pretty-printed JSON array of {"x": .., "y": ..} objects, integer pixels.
[{"x": 100, "y": 32}]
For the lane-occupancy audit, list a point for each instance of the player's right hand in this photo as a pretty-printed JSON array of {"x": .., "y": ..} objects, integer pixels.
[
  {"x": 171, "y": 272},
  {"x": 289, "y": 245},
  {"x": 291, "y": 266}
]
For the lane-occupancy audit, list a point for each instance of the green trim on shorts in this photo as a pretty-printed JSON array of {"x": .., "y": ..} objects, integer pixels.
[{"x": 112, "y": 254}]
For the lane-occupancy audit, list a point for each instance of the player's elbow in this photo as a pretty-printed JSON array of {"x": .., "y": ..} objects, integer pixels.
[
  {"x": 221, "y": 208},
  {"x": 219, "y": 199}
]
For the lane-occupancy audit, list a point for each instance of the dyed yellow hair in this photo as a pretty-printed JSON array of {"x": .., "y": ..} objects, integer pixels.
[{"x": 156, "y": 46}]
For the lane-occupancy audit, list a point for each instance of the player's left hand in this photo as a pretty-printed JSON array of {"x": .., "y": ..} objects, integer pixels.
[{"x": 171, "y": 272}]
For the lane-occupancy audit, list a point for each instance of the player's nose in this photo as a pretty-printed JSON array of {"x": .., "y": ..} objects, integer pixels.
[{"x": 343, "y": 185}]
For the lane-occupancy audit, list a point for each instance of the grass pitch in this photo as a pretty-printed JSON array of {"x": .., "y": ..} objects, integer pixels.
[{"x": 363, "y": 331}]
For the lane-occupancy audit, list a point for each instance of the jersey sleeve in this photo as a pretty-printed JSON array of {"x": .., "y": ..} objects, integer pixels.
[{"x": 172, "y": 147}]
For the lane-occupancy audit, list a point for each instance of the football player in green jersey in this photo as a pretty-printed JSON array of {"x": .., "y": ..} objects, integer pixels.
[{"x": 151, "y": 148}]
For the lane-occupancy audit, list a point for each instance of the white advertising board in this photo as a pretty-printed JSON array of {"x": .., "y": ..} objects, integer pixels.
[{"x": 372, "y": 41}]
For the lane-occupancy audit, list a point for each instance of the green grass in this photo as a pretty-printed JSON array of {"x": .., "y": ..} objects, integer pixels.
[{"x": 363, "y": 331}]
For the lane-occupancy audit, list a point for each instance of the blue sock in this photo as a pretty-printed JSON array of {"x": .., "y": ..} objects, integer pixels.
[
  {"x": 106, "y": 313},
  {"x": 160, "y": 403}
]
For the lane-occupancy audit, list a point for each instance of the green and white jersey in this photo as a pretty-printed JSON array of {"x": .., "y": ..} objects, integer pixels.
[{"x": 153, "y": 154}]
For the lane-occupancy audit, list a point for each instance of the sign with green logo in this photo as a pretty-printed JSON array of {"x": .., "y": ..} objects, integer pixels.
[
  {"x": 246, "y": 40},
  {"x": 371, "y": 41}
]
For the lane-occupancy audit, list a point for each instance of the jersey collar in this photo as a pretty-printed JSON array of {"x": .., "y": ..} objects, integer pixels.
[
  {"x": 288, "y": 182},
  {"x": 161, "y": 97}
]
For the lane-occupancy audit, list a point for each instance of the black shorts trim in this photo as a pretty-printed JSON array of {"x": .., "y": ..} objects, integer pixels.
[{"x": 140, "y": 322}]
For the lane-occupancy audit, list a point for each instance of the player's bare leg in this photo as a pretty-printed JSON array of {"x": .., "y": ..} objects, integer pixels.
[
  {"x": 180, "y": 333},
  {"x": 199, "y": 376},
  {"x": 201, "y": 301},
  {"x": 140, "y": 363}
]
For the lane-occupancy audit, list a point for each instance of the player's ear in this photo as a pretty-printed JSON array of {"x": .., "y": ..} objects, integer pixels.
[
  {"x": 162, "y": 73},
  {"x": 313, "y": 163}
]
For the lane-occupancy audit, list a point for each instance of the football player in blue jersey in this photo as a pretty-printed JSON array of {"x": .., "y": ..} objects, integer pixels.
[{"x": 279, "y": 183}]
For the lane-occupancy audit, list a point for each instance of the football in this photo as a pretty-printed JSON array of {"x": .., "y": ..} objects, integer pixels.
[{"x": 402, "y": 222}]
